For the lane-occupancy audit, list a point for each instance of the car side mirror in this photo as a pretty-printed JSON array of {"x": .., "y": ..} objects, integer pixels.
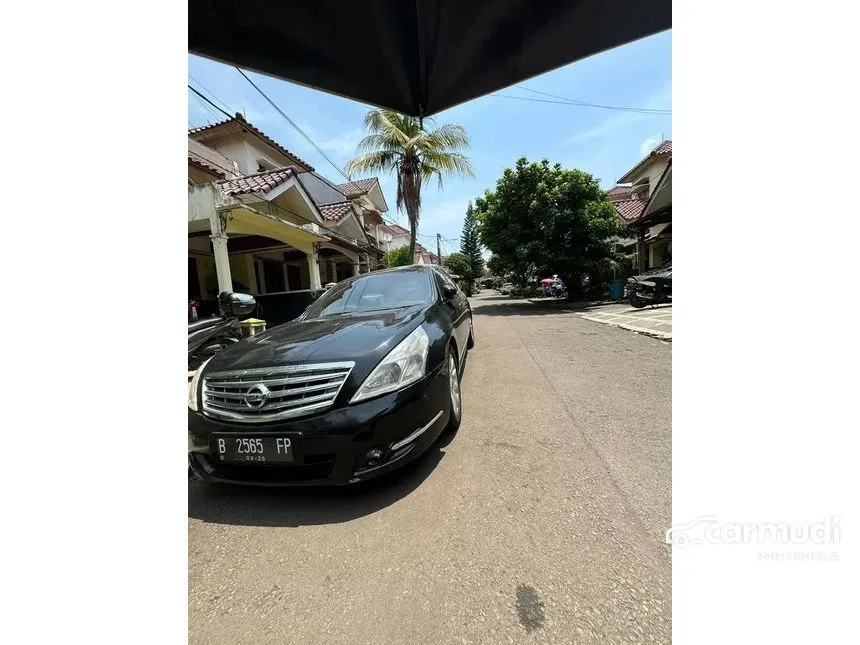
[
  {"x": 449, "y": 291},
  {"x": 233, "y": 305}
]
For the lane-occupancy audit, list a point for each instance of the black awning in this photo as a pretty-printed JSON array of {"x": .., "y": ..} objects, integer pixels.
[{"x": 415, "y": 56}]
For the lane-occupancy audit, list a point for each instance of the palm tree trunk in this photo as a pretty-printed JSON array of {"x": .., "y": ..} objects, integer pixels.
[
  {"x": 413, "y": 231},
  {"x": 410, "y": 183}
]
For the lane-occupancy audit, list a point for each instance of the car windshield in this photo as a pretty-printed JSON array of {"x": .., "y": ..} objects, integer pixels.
[{"x": 374, "y": 292}]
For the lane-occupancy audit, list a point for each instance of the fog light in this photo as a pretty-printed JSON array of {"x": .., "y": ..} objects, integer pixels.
[{"x": 374, "y": 455}]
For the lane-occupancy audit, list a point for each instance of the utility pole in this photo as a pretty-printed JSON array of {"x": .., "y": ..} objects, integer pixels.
[{"x": 439, "y": 247}]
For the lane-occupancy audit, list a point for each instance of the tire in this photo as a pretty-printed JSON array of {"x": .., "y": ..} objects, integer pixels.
[
  {"x": 471, "y": 342},
  {"x": 636, "y": 301},
  {"x": 454, "y": 396}
]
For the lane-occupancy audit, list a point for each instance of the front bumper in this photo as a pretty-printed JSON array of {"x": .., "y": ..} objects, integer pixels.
[{"x": 330, "y": 448}]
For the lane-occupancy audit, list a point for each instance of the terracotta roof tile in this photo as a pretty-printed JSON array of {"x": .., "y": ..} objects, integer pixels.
[
  {"x": 398, "y": 230},
  {"x": 203, "y": 163},
  {"x": 335, "y": 212},
  {"x": 357, "y": 187},
  {"x": 242, "y": 122},
  {"x": 619, "y": 193},
  {"x": 662, "y": 149},
  {"x": 630, "y": 209},
  {"x": 258, "y": 182}
]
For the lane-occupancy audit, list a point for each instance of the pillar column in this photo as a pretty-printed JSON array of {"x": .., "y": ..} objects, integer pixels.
[
  {"x": 222, "y": 262},
  {"x": 356, "y": 269},
  {"x": 314, "y": 269},
  {"x": 332, "y": 271},
  {"x": 641, "y": 250}
]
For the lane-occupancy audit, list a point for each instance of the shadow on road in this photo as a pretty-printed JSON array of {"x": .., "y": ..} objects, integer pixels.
[
  {"x": 250, "y": 506},
  {"x": 510, "y": 307}
]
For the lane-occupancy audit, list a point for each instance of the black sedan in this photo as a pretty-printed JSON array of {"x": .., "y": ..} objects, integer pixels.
[{"x": 364, "y": 381}]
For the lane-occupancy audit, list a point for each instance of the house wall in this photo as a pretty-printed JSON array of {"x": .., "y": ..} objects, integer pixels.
[
  {"x": 295, "y": 208},
  {"x": 652, "y": 171},
  {"x": 201, "y": 202},
  {"x": 348, "y": 227},
  {"x": 398, "y": 241},
  {"x": 212, "y": 156},
  {"x": 246, "y": 149}
]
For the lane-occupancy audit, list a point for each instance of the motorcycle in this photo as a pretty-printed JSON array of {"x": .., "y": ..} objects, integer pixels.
[
  {"x": 208, "y": 336},
  {"x": 651, "y": 287}
]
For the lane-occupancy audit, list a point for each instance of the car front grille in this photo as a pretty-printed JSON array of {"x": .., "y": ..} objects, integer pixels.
[{"x": 272, "y": 393}]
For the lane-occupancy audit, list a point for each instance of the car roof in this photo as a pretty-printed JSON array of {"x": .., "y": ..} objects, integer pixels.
[{"x": 410, "y": 268}]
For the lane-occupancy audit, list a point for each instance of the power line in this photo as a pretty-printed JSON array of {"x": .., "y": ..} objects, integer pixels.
[
  {"x": 311, "y": 141},
  {"x": 293, "y": 123},
  {"x": 231, "y": 116},
  {"x": 565, "y": 101},
  {"x": 205, "y": 107},
  {"x": 595, "y": 105},
  {"x": 211, "y": 93},
  {"x": 272, "y": 204}
]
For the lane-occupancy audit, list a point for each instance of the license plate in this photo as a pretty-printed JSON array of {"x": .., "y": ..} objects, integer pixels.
[{"x": 248, "y": 450}]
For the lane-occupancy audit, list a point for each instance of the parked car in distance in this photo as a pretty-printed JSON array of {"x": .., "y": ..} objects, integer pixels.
[
  {"x": 364, "y": 381},
  {"x": 506, "y": 289},
  {"x": 653, "y": 287}
]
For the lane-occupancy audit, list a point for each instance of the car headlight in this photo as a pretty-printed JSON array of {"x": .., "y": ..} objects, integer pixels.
[
  {"x": 404, "y": 365},
  {"x": 195, "y": 385}
]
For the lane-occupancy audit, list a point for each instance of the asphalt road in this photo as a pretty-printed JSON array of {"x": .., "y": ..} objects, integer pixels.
[{"x": 542, "y": 522}]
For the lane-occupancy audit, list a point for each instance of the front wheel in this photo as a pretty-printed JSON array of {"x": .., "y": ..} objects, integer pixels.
[
  {"x": 454, "y": 395},
  {"x": 636, "y": 301}
]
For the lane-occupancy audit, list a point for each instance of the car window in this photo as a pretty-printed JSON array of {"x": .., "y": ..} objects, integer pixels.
[
  {"x": 374, "y": 292},
  {"x": 446, "y": 279}
]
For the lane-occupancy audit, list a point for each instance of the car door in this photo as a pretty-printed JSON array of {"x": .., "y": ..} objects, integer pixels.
[{"x": 459, "y": 310}]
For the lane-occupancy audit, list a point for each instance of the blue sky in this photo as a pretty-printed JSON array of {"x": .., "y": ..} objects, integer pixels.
[{"x": 605, "y": 143}]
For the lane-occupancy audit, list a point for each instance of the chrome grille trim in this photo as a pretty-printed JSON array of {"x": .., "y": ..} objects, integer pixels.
[{"x": 293, "y": 391}]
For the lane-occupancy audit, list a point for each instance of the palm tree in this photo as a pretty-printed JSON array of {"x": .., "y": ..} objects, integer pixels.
[{"x": 402, "y": 144}]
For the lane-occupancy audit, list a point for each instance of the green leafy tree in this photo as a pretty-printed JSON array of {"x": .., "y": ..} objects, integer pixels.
[
  {"x": 458, "y": 264},
  {"x": 542, "y": 218},
  {"x": 397, "y": 257},
  {"x": 497, "y": 266},
  {"x": 470, "y": 246},
  {"x": 403, "y": 145}
]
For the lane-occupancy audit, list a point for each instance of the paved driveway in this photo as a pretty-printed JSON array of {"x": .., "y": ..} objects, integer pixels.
[
  {"x": 542, "y": 522},
  {"x": 654, "y": 321}
]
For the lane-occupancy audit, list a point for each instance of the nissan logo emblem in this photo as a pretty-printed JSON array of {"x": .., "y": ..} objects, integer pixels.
[{"x": 256, "y": 396}]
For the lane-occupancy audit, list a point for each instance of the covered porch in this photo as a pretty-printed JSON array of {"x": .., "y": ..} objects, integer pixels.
[{"x": 279, "y": 255}]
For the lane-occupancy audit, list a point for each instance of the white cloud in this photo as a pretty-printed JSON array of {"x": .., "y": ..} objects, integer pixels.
[
  {"x": 648, "y": 145},
  {"x": 624, "y": 120},
  {"x": 445, "y": 217},
  {"x": 343, "y": 145}
]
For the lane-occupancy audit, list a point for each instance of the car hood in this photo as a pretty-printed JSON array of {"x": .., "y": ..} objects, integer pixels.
[{"x": 361, "y": 337}]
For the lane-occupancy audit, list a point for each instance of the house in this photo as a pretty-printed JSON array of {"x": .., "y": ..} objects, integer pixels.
[
  {"x": 643, "y": 200},
  {"x": 423, "y": 256},
  {"x": 263, "y": 221},
  {"x": 400, "y": 236}
]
